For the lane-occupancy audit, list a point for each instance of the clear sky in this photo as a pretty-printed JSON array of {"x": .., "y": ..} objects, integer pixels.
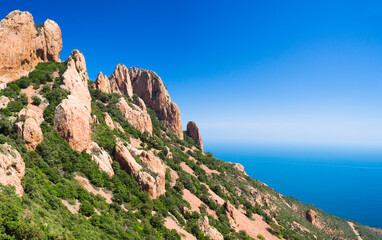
[{"x": 261, "y": 72}]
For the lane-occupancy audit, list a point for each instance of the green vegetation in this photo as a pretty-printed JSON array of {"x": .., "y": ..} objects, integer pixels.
[{"x": 51, "y": 169}]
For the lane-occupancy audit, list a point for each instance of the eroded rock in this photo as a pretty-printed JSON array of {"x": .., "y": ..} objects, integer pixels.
[
  {"x": 12, "y": 168},
  {"x": 149, "y": 86},
  {"x": 109, "y": 122},
  {"x": 209, "y": 231},
  {"x": 23, "y": 44},
  {"x": 102, "y": 83},
  {"x": 150, "y": 174},
  {"x": 4, "y": 102},
  {"x": 72, "y": 116},
  {"x": 102, "y": 158},
  {"x": 193, "y": 132},
  {"x": 120, "y": 80},
  {"x": 32, "y": 133},
  {"x": 136, "y": 117},
  {"x": 311, "y": 216}
]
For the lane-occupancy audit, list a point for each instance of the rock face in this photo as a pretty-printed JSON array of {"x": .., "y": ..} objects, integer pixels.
[
  {"x": 311, "y": 216},
  {"x": 193, "y": 132},
  {"x": 72, "y": 116},
  {"x": 102, "y": 83},
  {"x": 32, "y": 133},
  {"x": 136, "y": 117},
  {"x": 102, "y": 158},
  {"x": 231, "y": 213},
  {"x": 141, "y": 104},
  {"x": 149, "y": 86},
  {"x": 12, "y": 168},
  {"x": 209, "y": 231},
  {"x": 23, "y": 45},
  {"x": 154, "y": 183},
  {"x": 120, "y": 80}
]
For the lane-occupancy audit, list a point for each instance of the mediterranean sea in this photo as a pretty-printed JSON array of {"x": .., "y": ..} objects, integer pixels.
[{"x": 344, "y": 182}]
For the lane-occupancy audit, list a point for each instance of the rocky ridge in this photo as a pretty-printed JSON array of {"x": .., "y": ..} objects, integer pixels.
[
  {"x": 149, "y": 87},
  {"x": 172, "y": 183}
]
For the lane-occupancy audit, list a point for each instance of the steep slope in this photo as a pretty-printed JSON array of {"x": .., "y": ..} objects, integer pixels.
[{"x": 98, "y": 174}]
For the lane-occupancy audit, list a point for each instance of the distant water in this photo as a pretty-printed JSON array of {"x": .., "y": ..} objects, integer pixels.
[{"x": 346, "y": 183}]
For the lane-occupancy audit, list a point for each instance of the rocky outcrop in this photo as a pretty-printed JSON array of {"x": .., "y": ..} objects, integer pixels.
[
  {"x": 102, "y": 158},
  {"x": 102, "y": 83},
  {"x": 311, "y": 216},
  {"x": 231, "y": 213},
  {"x": 150, "y": 173},
  {"x": 150, "y": 89},
  {"x": 12, "y": 168},
  {"x": 32, "y": 133},
  {"x": 4, "y": 102},
  {"x": 30, "y": 113},
  {"x": 193, "y": 132},
  {"x": 109, "y": 122},
  {"x": 209, "y": 231},
  {"x": 23, "y": 44},
  {"x": 136, "y": 117},
  {"x": 149, "y": 86},
  {"x": 238, "y": 167},
  {"x": 72, "y": 116},
  {"x": 120, "y": 81}
]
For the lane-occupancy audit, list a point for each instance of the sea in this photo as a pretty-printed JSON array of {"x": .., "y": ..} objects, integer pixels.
[{"x": 345, "y": 182}]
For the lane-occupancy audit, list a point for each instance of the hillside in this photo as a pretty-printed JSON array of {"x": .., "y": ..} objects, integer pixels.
[{"x": 108, "y": 159}]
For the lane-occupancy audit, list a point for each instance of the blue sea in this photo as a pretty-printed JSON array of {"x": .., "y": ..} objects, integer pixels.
[{"x": 343, "y": 182}]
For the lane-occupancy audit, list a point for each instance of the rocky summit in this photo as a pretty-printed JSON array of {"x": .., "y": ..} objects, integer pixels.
[
  {"x": 23, "y": 44},
  {"x": 108, "y": 159}
]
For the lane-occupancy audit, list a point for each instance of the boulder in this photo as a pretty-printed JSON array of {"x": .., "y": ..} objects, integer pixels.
[
  {"x": 102, "y": 83},
  {"x": 30, "y": 113},
  {"x": 102, "y": 158},
  {"x": 311, "y": 216},
  {"x": 23, "y": 44},
  {"x": 109, "y": 122},
  {"x": 209, "y": 231},
  {"x": 32, "y": 133},
  {"x": 136, "y": 117},
  {"x": 120, "y": 81},
  {"x": 193, "y": 132},
  {"x": 4, "y": 102},
  {"x": 150, "y": 177},
  {"x": 12, "y": 168},
  {"x": 72, "y": 116},
  {"x": 149, "y": 86}
]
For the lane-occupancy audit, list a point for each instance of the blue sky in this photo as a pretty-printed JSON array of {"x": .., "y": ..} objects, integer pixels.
[{"x": 254, "y": 72}]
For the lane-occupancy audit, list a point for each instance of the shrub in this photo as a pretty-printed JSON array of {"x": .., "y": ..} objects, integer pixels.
[
  {"x": 87, "y": 209},
  {"x": 36, "y": 100},
  {"x": 260, "y": 236},
  {"x": 15, "y": 106}
]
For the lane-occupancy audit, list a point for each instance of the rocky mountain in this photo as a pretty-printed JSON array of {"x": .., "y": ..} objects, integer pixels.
[{"x": 109, "y": 159}]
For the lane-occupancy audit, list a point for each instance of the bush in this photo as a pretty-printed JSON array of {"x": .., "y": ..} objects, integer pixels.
[
  {"x": 260, "y": 236},
  {"x": 36, "y": 100},
  {"x": 87, "y": 209},
  {"x": 15, "y": 106}
]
